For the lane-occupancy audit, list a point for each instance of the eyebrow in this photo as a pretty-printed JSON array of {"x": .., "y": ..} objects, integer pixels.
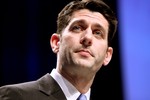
[
  {"x": 81, "y": 21},
  {"x": 96, "y": 25}
]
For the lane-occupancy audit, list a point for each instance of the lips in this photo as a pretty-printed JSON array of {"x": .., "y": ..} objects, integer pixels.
[{"x": 84, "y": 52}]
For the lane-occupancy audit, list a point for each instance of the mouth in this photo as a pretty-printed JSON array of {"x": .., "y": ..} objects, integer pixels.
[{"x": 85, "y": 53}]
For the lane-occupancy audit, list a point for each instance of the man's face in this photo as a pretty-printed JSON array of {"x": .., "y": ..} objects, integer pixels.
[{"x": 83, "y": 43}]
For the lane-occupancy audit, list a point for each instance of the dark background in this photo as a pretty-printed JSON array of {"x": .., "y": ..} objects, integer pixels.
[{"x": 26, "y": 54}]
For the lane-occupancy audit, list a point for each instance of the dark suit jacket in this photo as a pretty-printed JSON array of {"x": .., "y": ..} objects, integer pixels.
[{"x": 46, "y": 88}]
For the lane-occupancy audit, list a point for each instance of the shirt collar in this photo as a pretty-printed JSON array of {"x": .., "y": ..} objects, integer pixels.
[{"x": 69, "y": 90}]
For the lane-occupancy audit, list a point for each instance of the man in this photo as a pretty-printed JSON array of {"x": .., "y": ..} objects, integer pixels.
[{"x": 82, "y": 44}]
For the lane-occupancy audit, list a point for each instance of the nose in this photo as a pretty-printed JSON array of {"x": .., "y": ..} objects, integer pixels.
[{"x": 86, "y": 39}]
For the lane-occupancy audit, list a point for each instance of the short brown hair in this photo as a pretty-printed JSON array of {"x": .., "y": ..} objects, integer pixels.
[{"x": 64, "y": 16}]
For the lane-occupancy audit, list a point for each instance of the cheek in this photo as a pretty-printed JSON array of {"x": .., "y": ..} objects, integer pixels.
[
  {"x": 67, "y": 42},
  {"x": 70, "y": 40},
  {"x": 100, "y": 49},
  {"x": 67, "y": 46}
]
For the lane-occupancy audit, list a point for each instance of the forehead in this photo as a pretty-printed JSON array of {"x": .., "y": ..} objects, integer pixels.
[{"x": 91, "y": 17}]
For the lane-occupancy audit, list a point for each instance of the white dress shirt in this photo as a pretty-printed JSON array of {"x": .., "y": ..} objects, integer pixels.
[{"x": 69, "y": 90}]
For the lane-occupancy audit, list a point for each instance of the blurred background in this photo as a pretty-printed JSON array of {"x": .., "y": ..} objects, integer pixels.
[{"x": 26, "y": 55}]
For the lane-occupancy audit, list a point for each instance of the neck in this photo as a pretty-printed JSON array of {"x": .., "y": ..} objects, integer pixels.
[{"x": 82, "y": 80}]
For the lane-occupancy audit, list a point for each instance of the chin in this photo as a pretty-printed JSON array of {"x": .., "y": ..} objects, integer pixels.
[{"x": 87, "y": 64}]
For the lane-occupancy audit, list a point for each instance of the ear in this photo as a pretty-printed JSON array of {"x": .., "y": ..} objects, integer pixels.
[
  {"x": 54, "y": 41},
  {"x": 108, "y": 56}
]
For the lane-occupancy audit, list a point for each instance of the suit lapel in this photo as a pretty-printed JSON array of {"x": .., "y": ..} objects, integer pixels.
[{"x": 50, "y": 87}]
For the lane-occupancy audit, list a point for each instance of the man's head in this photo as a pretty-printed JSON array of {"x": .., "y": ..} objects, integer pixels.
[
  {"x": 64, "y": 16},
  {"x": 81, "y": 42}
]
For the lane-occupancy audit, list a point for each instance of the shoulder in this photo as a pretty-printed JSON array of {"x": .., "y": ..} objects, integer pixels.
[
  {"x": 9, "y": 92},
  {"x": 25, "y": 85},
  {"x": 17, "y": 91},
  {"x": 23, "y": 91}
]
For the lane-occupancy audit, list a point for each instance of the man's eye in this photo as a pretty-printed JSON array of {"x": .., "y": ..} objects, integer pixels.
[
  {"x": 98, "y": 33},
  {"x": 77, "y": 28}
]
